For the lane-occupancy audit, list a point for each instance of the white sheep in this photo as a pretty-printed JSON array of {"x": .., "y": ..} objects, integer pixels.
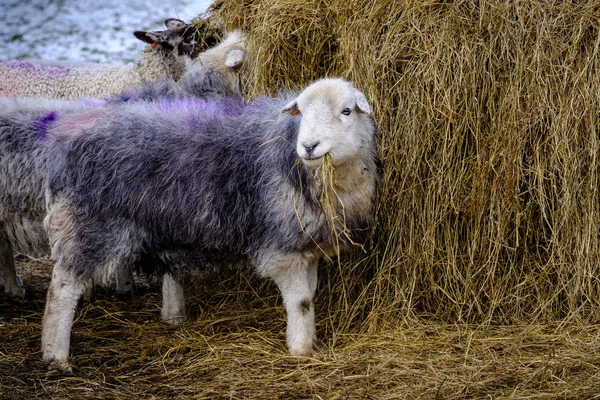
[{"x": 165, "y": 55}]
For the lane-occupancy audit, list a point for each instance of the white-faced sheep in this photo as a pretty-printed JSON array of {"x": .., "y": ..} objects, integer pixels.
[
  {"x": 165, "y": 56},
  {"x": 21, "y": 153},
  {"x": 189, "y": 183}
]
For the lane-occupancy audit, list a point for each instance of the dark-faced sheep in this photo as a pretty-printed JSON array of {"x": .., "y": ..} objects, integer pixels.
[
  {"x": 213, "y": 75},
  {"x": 189, "y": 183},
  {"x": 165, "y": 55}
]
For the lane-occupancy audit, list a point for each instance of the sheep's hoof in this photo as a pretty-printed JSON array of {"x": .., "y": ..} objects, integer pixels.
[
  {"x": 125, "y": 290},
  {"x": 175, "y": 320},
  {"x": 16, "y": 290},
  {"x": 63, "y": 366}
]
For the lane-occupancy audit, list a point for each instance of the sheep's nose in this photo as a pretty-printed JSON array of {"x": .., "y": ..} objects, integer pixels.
[{"x": 310, "y": 147}]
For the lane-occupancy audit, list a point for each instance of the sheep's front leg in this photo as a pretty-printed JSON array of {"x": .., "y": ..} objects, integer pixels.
[
  {"x": 295, "y": 275},
  {"x": 12, "y": 284},
  {"x": 173, "y": 306},
  {"x": 63, "y": 293},
  {"x": 312, "y": 284}
]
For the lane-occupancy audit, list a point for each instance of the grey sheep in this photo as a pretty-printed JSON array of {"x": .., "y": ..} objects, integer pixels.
[
  {"x": 189, "y": 183},
  {"x": 213, "y": 75},
  {"x": 217, "y": 75}
]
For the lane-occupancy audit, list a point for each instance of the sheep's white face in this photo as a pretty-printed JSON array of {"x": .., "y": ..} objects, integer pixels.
[{"x": 334, "y": 120}]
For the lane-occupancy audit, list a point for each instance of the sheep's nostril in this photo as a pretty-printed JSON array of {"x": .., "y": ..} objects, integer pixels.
[{"x": 310, "y": 147}]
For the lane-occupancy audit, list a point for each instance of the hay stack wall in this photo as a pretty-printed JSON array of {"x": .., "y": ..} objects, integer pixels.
[{"x": 488, "y": 115}]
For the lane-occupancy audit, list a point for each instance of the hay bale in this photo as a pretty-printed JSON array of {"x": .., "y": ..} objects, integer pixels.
[{"x": 488, "y": 111}]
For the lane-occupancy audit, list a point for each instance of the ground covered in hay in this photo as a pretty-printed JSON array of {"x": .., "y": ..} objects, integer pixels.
[
  {"x": 233, "y": 347},
  {"x": 482, "y": 278}
]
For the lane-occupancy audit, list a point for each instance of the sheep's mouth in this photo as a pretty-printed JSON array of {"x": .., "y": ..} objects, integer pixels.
[{"x": 313, "y": 161}]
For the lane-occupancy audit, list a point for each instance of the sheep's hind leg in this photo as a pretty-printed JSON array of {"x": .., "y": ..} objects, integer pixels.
[
  {"x": 296, "y": 275},
  {"x": 124, "y": 282},
  {"x": 63, "y": 293},
  {"x": 173, "y": 306},
  {"x": 12, "y": 284}
]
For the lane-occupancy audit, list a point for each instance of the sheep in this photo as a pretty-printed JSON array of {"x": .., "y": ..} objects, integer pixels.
[
  {"x": 22, "y": 168},
  {"x": 190, "y": 183},
  {"x": 165, "y": 55},
  {"x": 214, "y": 75}
]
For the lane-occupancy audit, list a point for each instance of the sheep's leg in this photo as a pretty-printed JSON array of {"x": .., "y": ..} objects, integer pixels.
[
  {"x": 173, "y": 306},
  {"x": 296, "y": 276},
  {"x": 12, "y": 284},
  {"x": 64, "y": 292},
  {"x": 124, "y": 280},
  {"x": 312, "y": 277},
  {"x": 312, "y": 284}
]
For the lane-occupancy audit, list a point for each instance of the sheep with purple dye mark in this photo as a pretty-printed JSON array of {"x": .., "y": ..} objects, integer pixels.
[
  {"x": 215, "y": 74},
  {"x": 165, "y": 56},
  {"x": 214, "y": 77},
  {"x": 205, "y": 183},
  {"x": 23, "y": 157}
]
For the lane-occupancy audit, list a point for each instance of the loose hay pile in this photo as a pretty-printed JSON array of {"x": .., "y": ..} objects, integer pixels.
[
  {"x": 489, "y": 209},
  {"x": 488, "y": 213},
  {"x": 233, "y": 348}
]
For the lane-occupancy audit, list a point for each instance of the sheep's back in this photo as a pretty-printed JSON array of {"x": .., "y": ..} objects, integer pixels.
[
  {"x": 185, "y": 172},
  {"x": 27, "y": 79}
]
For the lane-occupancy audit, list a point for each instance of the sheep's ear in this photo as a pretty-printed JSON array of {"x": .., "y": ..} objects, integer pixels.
[
  {"x": 149, "y": 37},
  {"x": 291, "y": 107},
  {"x": 155, "y": 38},
  {"x": 362, "y": 103},
  {"x": 143, "y": 36},
  {"x": 235, "y": 58},
  {"x": 174, "y": 23}
]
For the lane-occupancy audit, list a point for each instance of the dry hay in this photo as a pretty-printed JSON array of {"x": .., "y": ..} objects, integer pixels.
[
  {"x": 233, "y": 349},
  {"x": 488, "y": 214},
  {"x": 489, "y": 209}
]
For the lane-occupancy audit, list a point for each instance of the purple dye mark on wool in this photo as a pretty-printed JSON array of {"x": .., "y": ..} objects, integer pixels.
[
  {"x": 21, "y": 65},
  {"x": 91, "y": 103},
  {"x": 233, "y": 105},
  {"x": 206, "y": 108},
  {"x": 43, "y": 125}
]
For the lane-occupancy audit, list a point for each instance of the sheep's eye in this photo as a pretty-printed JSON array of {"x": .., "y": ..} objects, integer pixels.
[{"x": 346, "y": 111}]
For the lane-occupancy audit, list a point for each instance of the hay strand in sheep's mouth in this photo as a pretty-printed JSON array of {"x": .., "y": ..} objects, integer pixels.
[{"x": 332, "y": 205}]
